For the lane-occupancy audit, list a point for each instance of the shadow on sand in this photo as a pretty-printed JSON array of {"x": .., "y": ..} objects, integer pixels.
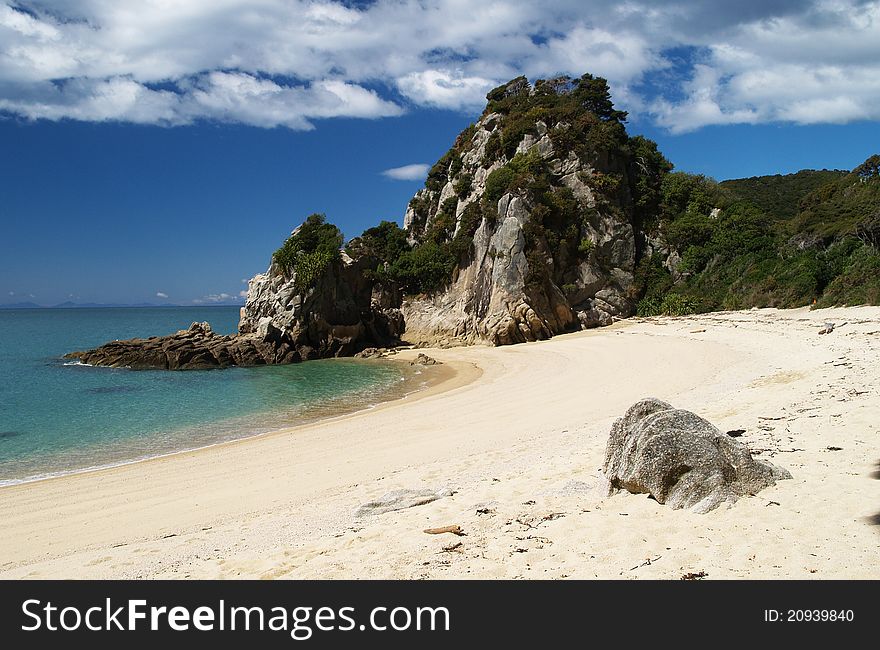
[{"x": 875, "y": 519}]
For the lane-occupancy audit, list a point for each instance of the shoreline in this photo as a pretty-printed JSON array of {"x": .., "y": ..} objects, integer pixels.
[
  {"x": 443, "y": 375},
  {"x": 516, "y": 432}
]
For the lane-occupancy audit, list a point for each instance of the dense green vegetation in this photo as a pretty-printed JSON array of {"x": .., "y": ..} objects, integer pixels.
[
  {"x": 385, "y": 242},
  {"x": 589, "y": 124},
  {"x": 780, "y": 195},
  {"x": 309, "y": 250},
  {"x": 746, "y": 255},
  {"x": 840, "y": 207},
  {"x": 422, "y": 269},
  {"x": 416, "y": 270},
  {"x": 857, "y": 283}
]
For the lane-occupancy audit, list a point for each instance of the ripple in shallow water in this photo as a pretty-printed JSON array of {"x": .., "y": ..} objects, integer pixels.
[{"x": 107, "y": 390}]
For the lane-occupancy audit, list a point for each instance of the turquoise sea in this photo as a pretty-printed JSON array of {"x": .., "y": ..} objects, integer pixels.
[{"x": 58, "y": 417}]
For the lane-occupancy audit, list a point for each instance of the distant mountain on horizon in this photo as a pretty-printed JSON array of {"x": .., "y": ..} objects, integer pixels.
[
  {"x": 21, "y": 305},
  {"x": 69, "y": 304}
]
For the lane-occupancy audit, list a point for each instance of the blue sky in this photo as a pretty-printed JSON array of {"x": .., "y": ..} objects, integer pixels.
[{"x": 158, "y": 152}]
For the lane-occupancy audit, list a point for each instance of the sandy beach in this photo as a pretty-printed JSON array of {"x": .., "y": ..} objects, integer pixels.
[{"x": 518, "y": 433}]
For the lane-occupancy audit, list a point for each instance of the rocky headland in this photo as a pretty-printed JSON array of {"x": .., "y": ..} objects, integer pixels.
[
  {"x": 528, "y": 227},
  {"x": 544, "y": 217},
  {"x": 280, "y": 323}
]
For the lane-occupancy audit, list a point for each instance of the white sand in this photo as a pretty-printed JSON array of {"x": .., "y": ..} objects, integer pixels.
[{"x": 524, "y": 442}]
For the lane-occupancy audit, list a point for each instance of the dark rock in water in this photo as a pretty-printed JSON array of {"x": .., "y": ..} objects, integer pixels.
[
  {"x": 375, "y": 353},
  {"x": 424, "y": 360},
  {"x": 198, "y": 347},
  {"x": 521, "y": 280},
  {"x": 681, "y": 460}
]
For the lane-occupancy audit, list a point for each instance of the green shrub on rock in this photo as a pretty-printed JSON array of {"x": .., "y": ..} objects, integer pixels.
[
  {"x": 423, "y": 269},
  {"x": 309, "y": 250},
  {"x": 385, "y": 242}
]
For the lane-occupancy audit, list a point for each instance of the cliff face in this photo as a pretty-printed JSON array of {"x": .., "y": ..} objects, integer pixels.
[
  {"x": 534, "y": 209},
  {"x": 555, "y": 239},
  {"x": 338, "y": 316}
]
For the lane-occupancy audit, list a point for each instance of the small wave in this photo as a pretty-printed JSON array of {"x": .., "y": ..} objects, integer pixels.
[
  {"x": 120, "y": 463},
  {"x": 106, "y": 390}
]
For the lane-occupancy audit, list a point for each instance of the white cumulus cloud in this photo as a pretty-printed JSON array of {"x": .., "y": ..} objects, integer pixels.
[
  {"x": 288, "y": 63},
  {"x": 414, "y": 172},
  {"x": 216, "y": 297},
  {"x": 161, "y": 294},
  {"x": 445, "y": 89},
  {"x": 240, "y": 97}
]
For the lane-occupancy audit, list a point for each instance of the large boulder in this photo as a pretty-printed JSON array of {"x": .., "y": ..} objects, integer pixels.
[{"x": 681, "y": 460}]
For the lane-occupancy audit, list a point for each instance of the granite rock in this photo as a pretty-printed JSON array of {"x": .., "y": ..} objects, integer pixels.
[{"x": 681, "y": 460}]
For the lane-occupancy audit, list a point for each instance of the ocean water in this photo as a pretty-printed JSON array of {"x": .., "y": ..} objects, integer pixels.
[{"x": 58, "y": 417}]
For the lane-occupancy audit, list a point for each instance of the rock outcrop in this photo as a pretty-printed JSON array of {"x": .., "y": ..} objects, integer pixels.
[
  {"x": 375, "y": 353},
  {"x": 681, "y": 460},
  {"x": 424, "y": 360},
  {"x": 520, "y": 283},
  {"x": 195, "y": 348},
  {"x": 338, "y": 316},
  {"x": 531, "y": 223},
  {"x": 279, "y": 324}
]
